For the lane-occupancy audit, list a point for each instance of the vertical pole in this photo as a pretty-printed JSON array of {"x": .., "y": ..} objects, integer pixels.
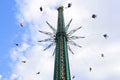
[{"x": 61, "y": 68}]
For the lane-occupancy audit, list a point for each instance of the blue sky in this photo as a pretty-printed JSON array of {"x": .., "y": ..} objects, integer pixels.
[
  {"x": 9, "y": 27},
  {"x": 7, "y": 30},
  {"x": 14, "y": 12}
]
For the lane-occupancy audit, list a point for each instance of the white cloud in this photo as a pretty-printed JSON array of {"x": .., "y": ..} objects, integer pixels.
[
  {"x": 90, "y": 55},
  {"x": 0, "y": 77},
  {"x": 36, "y": 60},
  {"x": 13, "y": 77}
]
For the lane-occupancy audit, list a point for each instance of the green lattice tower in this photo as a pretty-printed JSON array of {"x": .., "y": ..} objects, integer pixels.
[{"x": 61, "y": 67}]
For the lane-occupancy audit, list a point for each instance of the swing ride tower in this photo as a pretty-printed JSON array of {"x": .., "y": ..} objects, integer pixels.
[
  {"x": 61, "y": 37},
  {"x": 61, "y": 66}
]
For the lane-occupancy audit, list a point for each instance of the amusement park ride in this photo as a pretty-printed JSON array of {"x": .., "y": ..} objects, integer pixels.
[{"x": 61, "y": 37}]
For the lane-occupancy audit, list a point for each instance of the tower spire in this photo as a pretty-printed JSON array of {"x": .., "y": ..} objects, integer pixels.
[{"x": 61, "y": 68}]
